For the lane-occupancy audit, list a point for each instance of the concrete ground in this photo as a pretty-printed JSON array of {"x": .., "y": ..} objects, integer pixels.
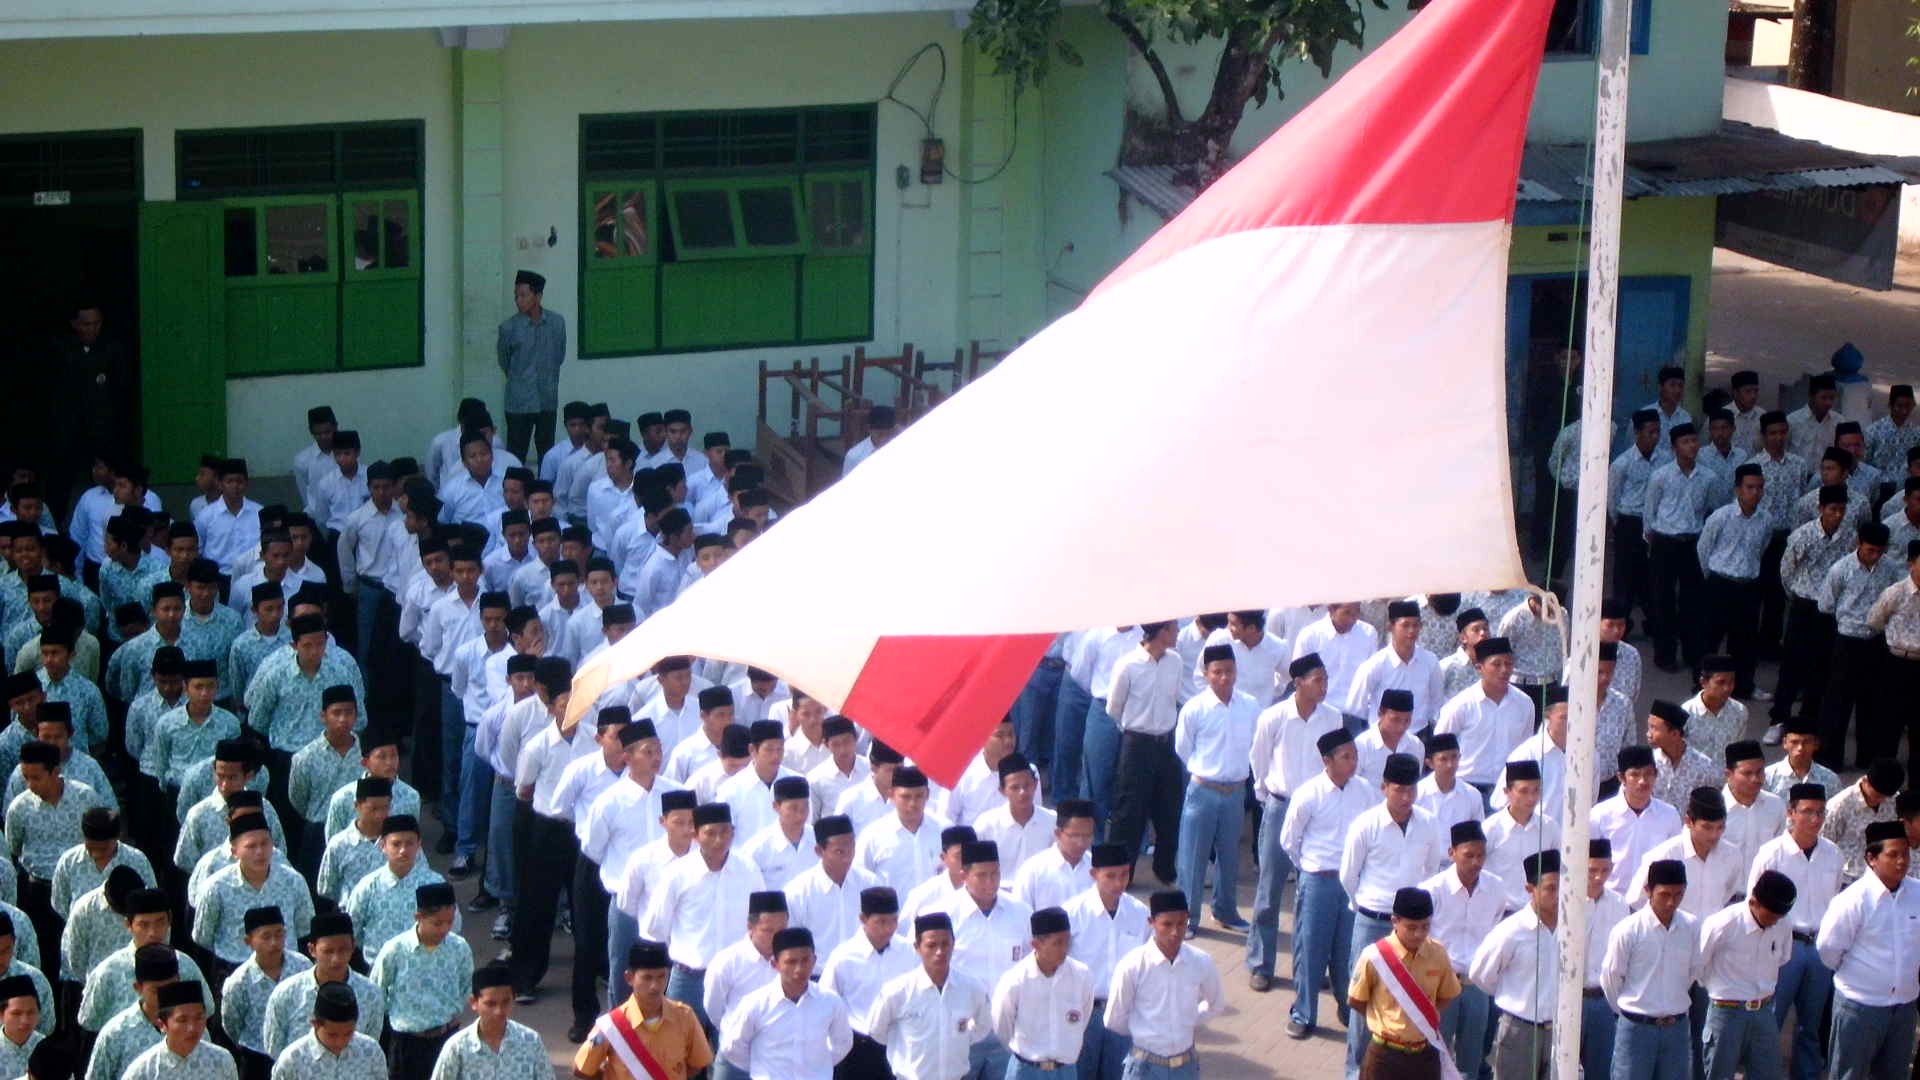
[{"x": 1780, "y": 322}]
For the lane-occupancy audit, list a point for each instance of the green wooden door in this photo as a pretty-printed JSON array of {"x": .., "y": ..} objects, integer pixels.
[{"x": 183, "y": 336}]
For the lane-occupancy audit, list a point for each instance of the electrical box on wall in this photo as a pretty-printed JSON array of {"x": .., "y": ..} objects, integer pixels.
[{"x": 933, "y": 160}]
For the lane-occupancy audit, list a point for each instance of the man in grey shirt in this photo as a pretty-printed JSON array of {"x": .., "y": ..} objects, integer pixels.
[{"x": 533, "y": 345}]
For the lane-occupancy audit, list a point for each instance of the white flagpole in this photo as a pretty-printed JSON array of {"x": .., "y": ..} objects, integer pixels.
[{"x": 1590, "y": 530}]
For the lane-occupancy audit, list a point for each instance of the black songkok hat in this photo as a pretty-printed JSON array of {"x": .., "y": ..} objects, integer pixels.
[
  {"x": 636, "y": 731},
  {"x": 676, "y": 801},
  {"x": 1886, "y": 775},
  {"x": 1600, "y": 847},
  {"x": 1540, "y": 863},
  {"x": 716, "y": 697},
  {"x": 1329, "y": 743},
  {"x": 399, "y": 823},
  {"x": 926, "y": 924},
  {"x": 146, "y": 902},
  {"x": 152, "y": 963},
  {"x": 1706, "y": 804},
  {"x": 836, "y": 725},
  {"x": 334, "y": 1003},
  {"x": 1633, "y": 757},
  {"x": 1466, "y": 832},
  {"x": 185, "y": 992},
  {"x": 531, "y": 280},
  {"x": 1402, "y": 609},
  {"x": 1215, "y": 654},
  {"x": 1468, "y": 617},
  {"x": 713, "y": 813},
  {"x": 372, "y": 787},
  {"x": 330, "y": 924},
  {"x": 909, "y": 776},
  {"x": 734, "y": 742},
  {"x": 1442, "y": 742},
  {"x": 1164, "y": 901},
  {"x": 1400, "y": 769},
  {"x": 1525, "y": 769},
  {"x": 1492, "y": 647},
  {"x": 831, "y": 826},
  {"x": 1806, "y": 791},
  {"x": 1674, "y": 715},
  {"x": 1305, "y": 665},
  {"x": 646, "y": 956},
  {"x": 1412, "y": 903},
  {"x": 979, "y": 851},
  {"x": 14, "y": 986},
  {"x": 956, "y": 836},
  {"x": 770, "y": 902},
  {"x": 1104, "y": 855},
  {"x": 1396, "y": 700},
  {"x": 433, "y": 896},
  {"x": 339, "y": 694},
  {"x": 1744, "y": 750},
  {"x": 764, "y": 731},
  {"x": 1881, "y": 831},
  {"x": 879, "y": 900},
  {"x": 1050, "y": 920},
  {"x": 264, "y": 916},
  {"x": 790, "y": 787},
  {"x": 1666, "y": 872},
  {"x": 1774, "y": 891}
]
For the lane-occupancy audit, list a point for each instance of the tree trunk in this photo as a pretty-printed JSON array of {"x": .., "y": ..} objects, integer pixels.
[
  {"x": 1810, "y": 56},
  {"x": 1205, "y": 144}
]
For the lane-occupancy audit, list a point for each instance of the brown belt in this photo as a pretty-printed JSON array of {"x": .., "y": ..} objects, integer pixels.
[
  {"x": 1217, "y": 785},
  {"x": 1744, "y": 1006},
  {"x": 1173, "y": 1062}
]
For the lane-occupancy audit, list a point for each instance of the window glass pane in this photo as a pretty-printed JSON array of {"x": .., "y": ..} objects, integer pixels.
[
  {"x": 706, "y": 221},
  {"x": 366, "y": 236},
  {"x": 620, "y": 224},
  {"x": 837, "y": 214},
  {"x": 398, "y": 220},
  {"x": 241, "y": 239},
  {"x": 383, "y": 155},
  {"x": 297, "y": 239},
  {"x": 767, "y": 215},
  {"x": 1569, "y": 27}
]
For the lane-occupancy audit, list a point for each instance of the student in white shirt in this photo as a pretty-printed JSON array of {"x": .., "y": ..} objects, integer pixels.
[
  {"x": 1812, "y": 863},
  {"x": 933, "y": 1017},
  {"x": 1106, "y": 924},
  {"x": 1389, "y": 734},
  {"x": 1284, "y": 757},
  {"x": 1518, "y": 829},
  {"x": 1257, "y": 656},
  {"x": 903, "y": 847},
  {"x": 1632, "y": 819},
  {"x": 1040, "y": 1006},
  {"x": 1652, "y": 959},
  {"x": 1870, "y": 938},
  {"x": 1214, "y": 740},
  {"x": 1714, "y": 873},
  {"x": 1516, "y": 965},
  {"x": 1754, "y": 814},
  {"x": 1063, "y": 870},
  {"x": 781, "y": 849},
  {"x": 1441, "y": 792},
  {"x": 1605, "y": 910},
  {"x": 1343, "y": 643},
  {"x": 1491, "y": 717},
  {"x": 860, "y": 966},
  {"x": 825, "y": 897},
  {"x": 776, "y": 1031},
  {"x": 698, "y": 905},
  {"x": 1467, "y": 904},
  {"x": 1162, "y": 990},
  {"x": 1742, "y": 947},
  {"x": 1019, "y": 825},
  {"x": 1140, "y": 702},
  {"x": 745, "y": 965},
  {"x": 991, "y": 933},
  {"x": 1401, "y": 665},
  {"x": 1314, "y": 837},
  {"x": 880, "y": 431}
]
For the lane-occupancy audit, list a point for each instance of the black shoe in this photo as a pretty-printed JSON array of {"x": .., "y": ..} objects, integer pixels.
[
  {"x": 444, "y": 846},
  {"x": 1298, "y": 1030},
  {"x": 504, "y": 956},
  {"x": 503, "y": 927},
  {"x": 578, "y": 1033},
  {"x": 525, "y": 997},
  {"x": 483, "y": 901},
  {"x": 461, "y": 868}
]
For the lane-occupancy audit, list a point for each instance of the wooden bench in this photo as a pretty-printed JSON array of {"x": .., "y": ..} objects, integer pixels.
[{"x": 820, "y": 426}]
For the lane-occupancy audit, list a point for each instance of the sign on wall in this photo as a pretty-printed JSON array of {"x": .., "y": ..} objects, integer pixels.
[{"x": 1847, "y": 234}]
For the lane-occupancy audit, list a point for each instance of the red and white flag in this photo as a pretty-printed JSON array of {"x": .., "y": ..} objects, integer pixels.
[{"x": 1293, "y": 393}]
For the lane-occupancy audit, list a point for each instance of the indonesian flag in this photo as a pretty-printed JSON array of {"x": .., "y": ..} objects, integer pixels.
[{"x": 1293, "y": 393}]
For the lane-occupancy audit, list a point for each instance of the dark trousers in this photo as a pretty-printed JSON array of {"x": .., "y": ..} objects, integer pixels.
[
  {"x": 1382, "y": 1063},
  {"x": 1674, "y": 618},
  {"x": 1630, "y": 567},
  {"x": 425, "y": 752},
  {"x": 1803, "y": 660},
  {"x": 36, "y": 899},
  {"x": 546, "y": 867},
  {"x": 538, "y": 425},
  {"x": 411, "y": 1057},
  {"x": 1733, "y": 615},
  {"x": 1566, "y": 502},
  {"x": 1898, "y": 707},
  {"x": 1853, "y": 666},
  {"x": 280, "y": 765},
  {"x": 590, "y": 902},
  {"x": 252, "y": 1066},
  {"x": 866, "y": 1061},
  {"x": 1148, "y": 787},
  {"x": 1774, "y": 600}
]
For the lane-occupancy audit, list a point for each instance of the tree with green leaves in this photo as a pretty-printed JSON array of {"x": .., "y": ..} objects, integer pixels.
[{"x": 1257, "y": 38}]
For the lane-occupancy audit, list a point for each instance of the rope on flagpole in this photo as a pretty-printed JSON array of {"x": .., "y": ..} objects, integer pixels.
[{"x": 1596, "y": 427}]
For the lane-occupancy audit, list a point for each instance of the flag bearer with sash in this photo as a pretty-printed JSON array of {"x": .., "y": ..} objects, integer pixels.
[
  {"x": 648, "y": 1036},
  {"x": 1400, "y": 983}
]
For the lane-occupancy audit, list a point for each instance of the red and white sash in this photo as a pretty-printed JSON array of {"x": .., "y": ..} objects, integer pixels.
[
  {"x": 626, "y": 1045},
  {"x": 1413, "y": 1001}
]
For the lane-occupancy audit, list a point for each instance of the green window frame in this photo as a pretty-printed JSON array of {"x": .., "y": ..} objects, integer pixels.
[
  {"x": 725, "y": 252},
  {"x": 341, "y": 288}
]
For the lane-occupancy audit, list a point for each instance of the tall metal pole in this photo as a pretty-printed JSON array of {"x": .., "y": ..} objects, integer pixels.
[{"x": 1590, "y": 529}]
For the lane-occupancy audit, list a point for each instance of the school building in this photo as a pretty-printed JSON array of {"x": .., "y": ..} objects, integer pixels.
[{"x": 284, "y": 204}]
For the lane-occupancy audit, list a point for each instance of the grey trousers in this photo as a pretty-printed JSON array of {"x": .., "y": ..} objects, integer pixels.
[{"x": 1521, "y": 1051}]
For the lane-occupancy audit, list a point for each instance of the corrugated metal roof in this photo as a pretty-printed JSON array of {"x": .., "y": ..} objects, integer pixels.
[{"x": 1736, "y": 160}]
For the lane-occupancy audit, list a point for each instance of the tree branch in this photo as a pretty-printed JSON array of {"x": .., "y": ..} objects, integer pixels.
[{"x": 1139, "y": 42}]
